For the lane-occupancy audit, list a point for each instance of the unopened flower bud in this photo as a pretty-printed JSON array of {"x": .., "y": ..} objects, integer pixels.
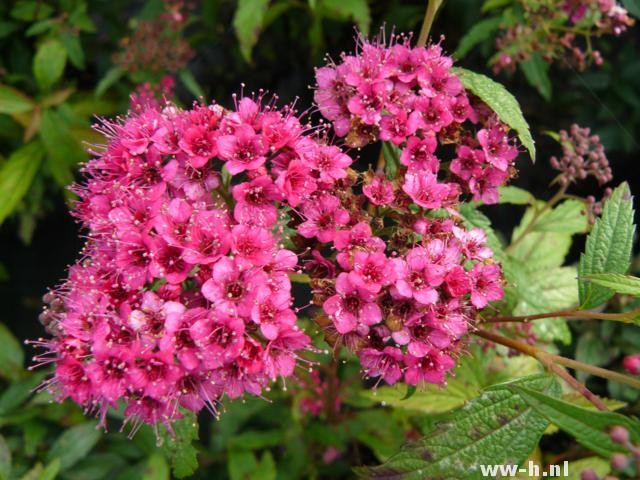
[
  {"x": 619, "y": 461},
  {"x": 631, "y": 363},
  {"x": 619, "y": 435},
  {"x": 589, "y": 474}
]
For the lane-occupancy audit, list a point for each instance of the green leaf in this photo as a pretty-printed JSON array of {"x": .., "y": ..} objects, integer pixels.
[
  {"x": 11, "y": 355},
  {"x": 31, "y": 10},
  {"x": 378, "y": 430},
  {"x": 71, "y": 43},
  {"x": 391, "y": 159},
  {"x": 184, "y": 456},
  {"x": 589, "y": 427},
  {"x": 493, "y": 4},
  {"x": 80, "y": 18},
  {"x": 500, "y": 101},
  {"x": 257, "y": 440},
  {"x": 568, "y": 217},
  {"x": 17, "y": 392},
  {"x": 50, "y": 472},
  {"x": 14, "y": 101},
  {"x": 16, "y": 176},
  {"x": 515, "y": 196},
  {"x": 7, "y": 28},
  {"x": 5, "y": 459},
  {"x": 49, "y": 62},
  {"x": 608, "y": 248},
  {"x": 74, "y": 444},
  {"x": 63, "y": 151},
  {"x": 545, "y": 290},
  {"x": 156, "y": 468},
  {"x": 241, "y": 464},
  {"x": 247, "y": 22},
  {"x": 633, "y": 6},
  {"x": 619, "y": 283},
  {"x": 480, "y": 32},
  {"x": 496, "y": 428},
  {"x": 191, "y": 83},
  {"x": 536, "y": 71},
  {"x": 356, "y": 10},
  {"x": 110, "y": 78}
]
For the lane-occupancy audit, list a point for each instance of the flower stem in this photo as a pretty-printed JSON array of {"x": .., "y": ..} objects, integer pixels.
[
  {"x": 429, "y": 16},
  {"x": 549, "y": 358},
  {"x": 575, "y": 313}
]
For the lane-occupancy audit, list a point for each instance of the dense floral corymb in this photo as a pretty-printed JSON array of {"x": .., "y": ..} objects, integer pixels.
[
  {"x": 182, "y": 294},
  {"x": 411, "y": 98}
]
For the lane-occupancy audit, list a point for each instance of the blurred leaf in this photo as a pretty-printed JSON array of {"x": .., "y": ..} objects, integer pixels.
[
  {"x": 241, "y": 464},
  {"x": 63, "y": 151},
  {"x": 600, "y": 466},
  {"x": 14, "y": 101},
  {"x": 515, "y": 195},
  {"x": 592, "y": 350},
  {"x": 71, "y": 43},
  {"x": 49, "y": 62},
  {"x": 495, "y": 428},
  {"x": 110, "y": 78},
  {"x": 40, "y": 27},
  {"x": 184, "y": 456},
  {"x": 74, "y": 444},
  {"x": 480, "y": 32},
  {"x": 7, "y": 28},
  {"x": 50, "y": 472},
  {"x": 589, "y": 427},
  {"x": 56, "y": 98},
  {"x": 248, "y": 21},
  {"x": 608, "y": 248},
  {"x": 633, "y": 6},
  {"x": 5, "y": 459},
  {"x": 191, "y": 84},
  {"x": 16, "y": 393},
  {"x": 97, "y": 466},
  {"x": 493, "y": 4},
  {"x": 156, "y": 469},
  {"x": 11, "y": 355},
  {"x": 356, "y": 10},
  {"x": 257, "y": 440},
  {"x": 378, "y": 431},
  {"x": 536, "y": 71},
  {"x": 500, "y": 101},
  {"x": 31, "y": 10},
  {"x": 16, "y": 175},
  {"x": 619, "y": 283},
  {"x": 80, "y": 19}
]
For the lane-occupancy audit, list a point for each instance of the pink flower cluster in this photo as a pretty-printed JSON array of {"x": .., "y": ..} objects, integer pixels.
[
  {"x": 411, "y": 98},
  {"x": 405, "y": 311},
  {"x": 182, "y": 294}
]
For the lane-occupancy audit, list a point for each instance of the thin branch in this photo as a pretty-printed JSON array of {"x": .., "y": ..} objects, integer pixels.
[
  {"x": 547, "y": 358},
  {"x": 573, "y": 313},
  {"x": 429, "y": 16}
]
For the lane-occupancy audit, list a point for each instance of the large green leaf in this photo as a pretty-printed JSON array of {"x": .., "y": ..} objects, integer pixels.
[
  {"x": 16, "y": 176},
  {"x": 247, "y": 22},
  {"x": 589, "y": 427},
  {"x": 568, "y": 217},
  {"x": 619, "y": 283},
  {"x": 11, "y": 355},
  {"x": 500, "y": 101},
  {"x": 496, "y": 428},
  {"x": 608, "y": 248},
  {"x": 14, "y": 101},
  {"x": 480, "y": 32},
  {"x": 49, "y": 62},
  {"x": 184, "y": 456},
  {"x": 74, "y": 444}
]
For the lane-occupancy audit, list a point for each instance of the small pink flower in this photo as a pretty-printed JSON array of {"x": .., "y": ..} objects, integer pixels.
[
  {"x": 244, "y": 150},
  {"x": 424, "y": 189},
  {"x": 199, "y": 144},
  {"x": 323, "y": 216},
  {"x": 350, "y": 306},
  {"x": 419, "y": 154},
  {"x": 385, "y": 363},
  {"x": 487, "y": 285},
  {"x": 379, "y": 191}
]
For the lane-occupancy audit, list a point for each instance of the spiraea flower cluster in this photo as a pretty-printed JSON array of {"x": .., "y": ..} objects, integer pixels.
[
  {"x": 410, "y": 98},
  {"x": 182, "y": 294},
  {"x": 402, "y": 292},
  {"x": 560, "y": 30}
]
